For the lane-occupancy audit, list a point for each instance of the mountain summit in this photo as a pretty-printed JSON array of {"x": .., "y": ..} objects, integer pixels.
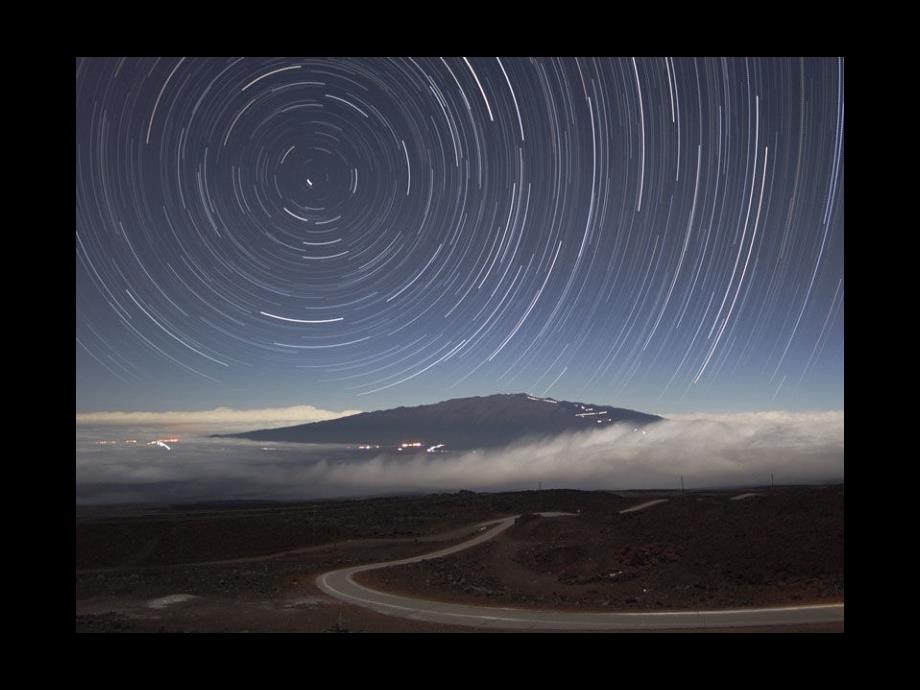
[{"x": 458, "y": 424}]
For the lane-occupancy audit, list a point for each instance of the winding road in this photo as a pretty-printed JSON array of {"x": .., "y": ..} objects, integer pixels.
[{"x": 340, "y": 584}]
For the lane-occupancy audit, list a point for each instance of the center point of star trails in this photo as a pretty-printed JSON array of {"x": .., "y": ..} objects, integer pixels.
[{"x": 653, "y": 232}]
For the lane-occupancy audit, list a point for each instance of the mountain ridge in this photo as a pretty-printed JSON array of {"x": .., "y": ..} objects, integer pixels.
[{"x": 458, "y": 423}]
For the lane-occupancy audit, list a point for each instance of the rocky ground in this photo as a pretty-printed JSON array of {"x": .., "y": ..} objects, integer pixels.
[
  {"x": 251, "y": 569},
  {"x": 778, "y": 547}
]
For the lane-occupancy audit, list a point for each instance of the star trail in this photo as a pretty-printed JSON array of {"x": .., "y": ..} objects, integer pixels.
[{"x": 657, "y": 233}]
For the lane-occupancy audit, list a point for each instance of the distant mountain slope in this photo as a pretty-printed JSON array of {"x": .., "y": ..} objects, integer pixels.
[{"x": 459, "y": 424}]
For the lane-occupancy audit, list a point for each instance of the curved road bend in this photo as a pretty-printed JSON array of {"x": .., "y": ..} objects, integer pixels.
[{"x": 340, "y": 584}]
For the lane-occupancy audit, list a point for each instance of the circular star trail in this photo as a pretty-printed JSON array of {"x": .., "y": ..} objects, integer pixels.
[{"x": 648, "y": 230}]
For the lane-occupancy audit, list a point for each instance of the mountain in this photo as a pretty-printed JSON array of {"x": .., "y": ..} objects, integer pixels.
[{"x": 458, "y": 424}]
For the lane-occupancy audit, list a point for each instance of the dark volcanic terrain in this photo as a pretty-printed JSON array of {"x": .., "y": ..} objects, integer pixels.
[
  {"x": 699, "y": 550},
  {"x": 459, "y": 424},
  {"x": 236, "y": 568}
]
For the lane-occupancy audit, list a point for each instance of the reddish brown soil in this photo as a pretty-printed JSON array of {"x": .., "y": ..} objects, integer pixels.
[
  {"x": 778, "y": 548},
  {"x": 253, "y": 569}
]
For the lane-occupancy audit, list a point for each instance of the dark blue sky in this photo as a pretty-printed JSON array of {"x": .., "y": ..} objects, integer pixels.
[{"x": 662, "y": 234}]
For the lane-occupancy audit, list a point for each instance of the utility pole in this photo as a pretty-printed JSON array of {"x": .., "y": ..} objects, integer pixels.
[
  {"x": 681, "y": 485},
  {"x": 772, "y": 485}
]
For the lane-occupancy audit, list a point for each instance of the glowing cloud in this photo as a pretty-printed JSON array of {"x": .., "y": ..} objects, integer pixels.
[
  {"x": 707, "y": 450},
  {"x": 218, "y": 418}
]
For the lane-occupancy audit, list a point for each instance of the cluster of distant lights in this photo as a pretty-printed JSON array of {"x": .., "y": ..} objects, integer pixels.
[
  {"x": 438, "y": 448},
  {"x": 160, "y": 442},
  {"x": 406, "y": 446},
  {"x": 585, "y": 412},
  {"x": 410, "y": 445}
]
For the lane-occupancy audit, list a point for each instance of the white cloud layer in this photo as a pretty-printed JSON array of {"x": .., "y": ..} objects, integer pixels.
[
  {"x": 707, "y": 450},
  {"x": 218, "y": 417}
]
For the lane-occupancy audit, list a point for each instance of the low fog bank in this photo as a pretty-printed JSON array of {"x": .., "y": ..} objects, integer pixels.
[
  {"x": 227, "y": 419},
  {"x": 709, "y": 451}
]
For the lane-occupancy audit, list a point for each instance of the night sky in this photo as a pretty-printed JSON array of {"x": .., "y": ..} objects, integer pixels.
[{"x": 661, "y": 234}]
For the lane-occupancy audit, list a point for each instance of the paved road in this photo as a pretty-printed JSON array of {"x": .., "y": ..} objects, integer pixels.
[
  {"x": 341, "y": 585},
  {"x": 741, "y": 497},
  {"x": 643, "y": 506}
]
